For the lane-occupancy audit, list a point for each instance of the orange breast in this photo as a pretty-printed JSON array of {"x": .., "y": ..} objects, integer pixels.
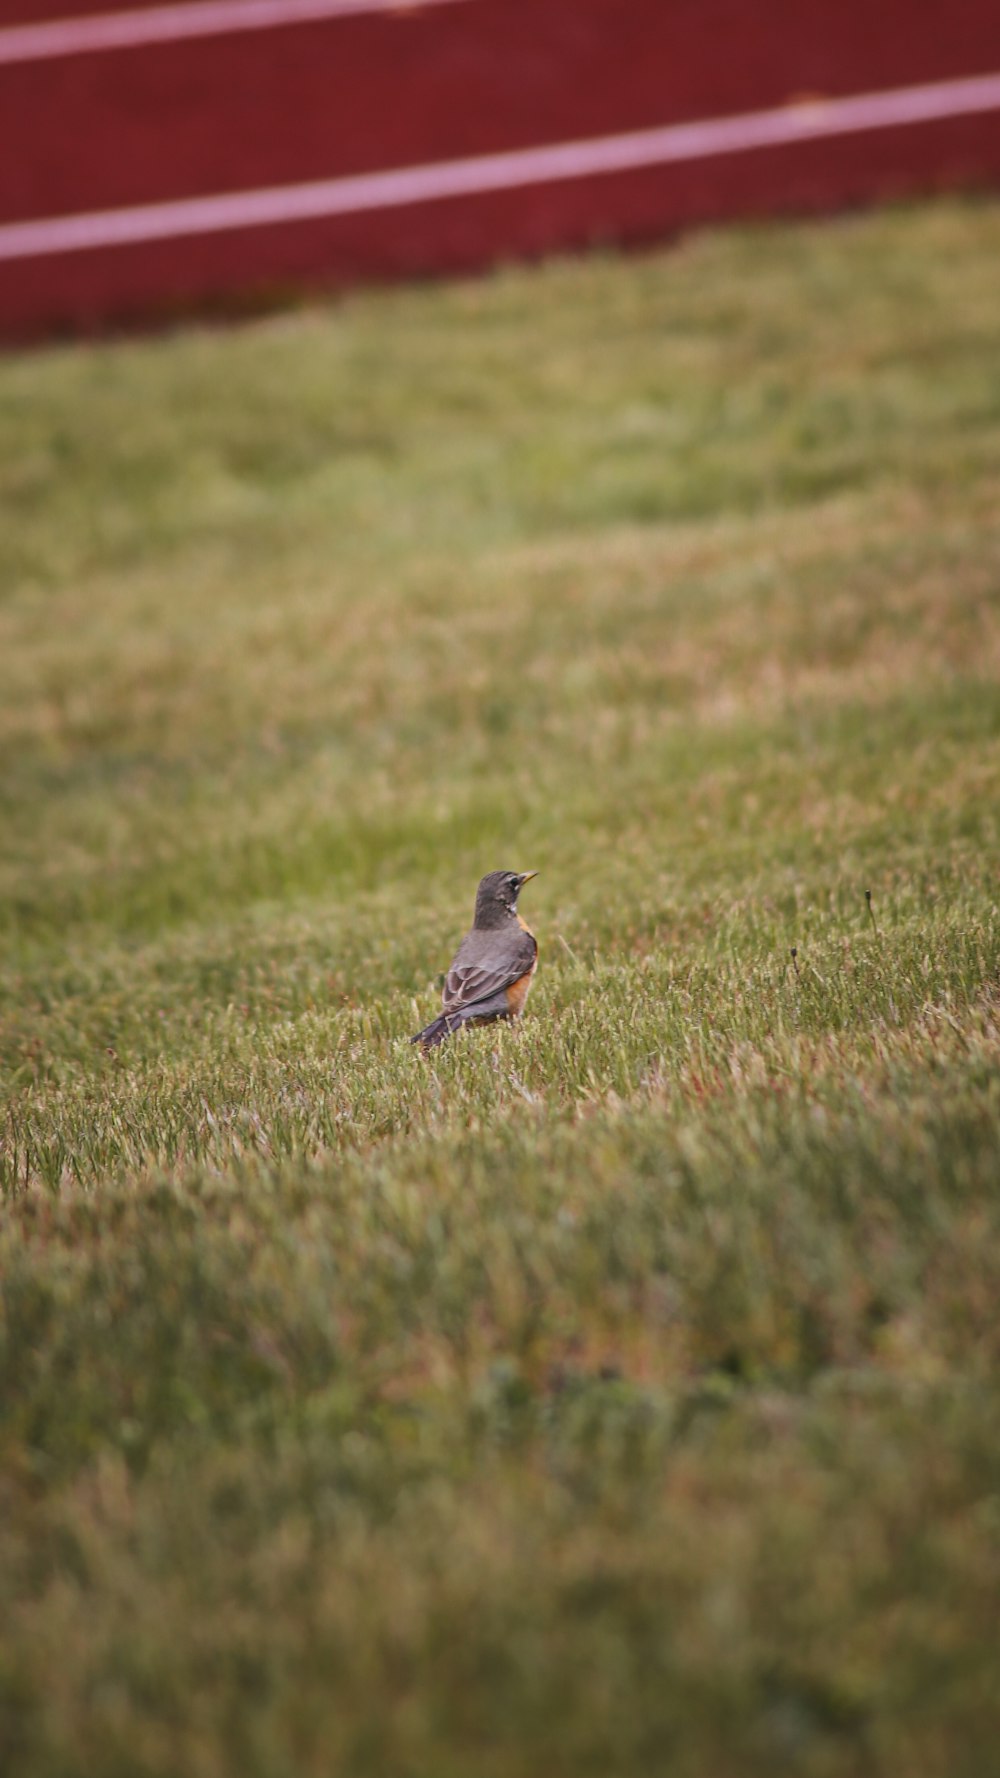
[{"x": 517, "y": 993}]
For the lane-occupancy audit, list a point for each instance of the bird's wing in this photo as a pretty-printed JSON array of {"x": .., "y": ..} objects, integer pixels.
[{"x": 471, "y": 978}]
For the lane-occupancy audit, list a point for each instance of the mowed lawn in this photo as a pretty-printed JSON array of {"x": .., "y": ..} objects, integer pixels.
[{"x": 617, "y": 1394}]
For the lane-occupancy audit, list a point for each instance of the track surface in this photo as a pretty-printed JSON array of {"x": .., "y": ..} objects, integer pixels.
[{"x": 494, "y": 127}]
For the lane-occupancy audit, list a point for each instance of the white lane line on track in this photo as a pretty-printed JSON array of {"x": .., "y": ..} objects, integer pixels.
[
  {"x": 53, "y": 39},
  {"x": 360, "y": 192}
]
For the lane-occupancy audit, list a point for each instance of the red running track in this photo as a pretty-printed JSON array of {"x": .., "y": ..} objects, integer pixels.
[{"x": 163, "y": 156}]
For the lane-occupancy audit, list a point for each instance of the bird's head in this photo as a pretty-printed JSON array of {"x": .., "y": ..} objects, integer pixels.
[{"x": 496, "y": 897}]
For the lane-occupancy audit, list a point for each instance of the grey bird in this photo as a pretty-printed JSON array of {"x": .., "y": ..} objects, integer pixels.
[{"x": 492, "y": 969}]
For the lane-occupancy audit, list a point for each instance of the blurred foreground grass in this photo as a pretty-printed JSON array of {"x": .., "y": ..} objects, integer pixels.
[{"x": 618, "y": 1394}]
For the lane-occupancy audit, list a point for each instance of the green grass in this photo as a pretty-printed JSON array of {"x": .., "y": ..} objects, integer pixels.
[{"x": 613, "y": 1395}]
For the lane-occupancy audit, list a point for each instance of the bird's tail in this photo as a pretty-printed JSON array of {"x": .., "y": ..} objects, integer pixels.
[
  {"x": 480, "y": 1012},
  {"x": 437, "y": 1030}
]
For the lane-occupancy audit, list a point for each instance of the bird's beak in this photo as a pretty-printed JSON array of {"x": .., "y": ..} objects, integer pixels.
[{"x": 526, "y": 877}]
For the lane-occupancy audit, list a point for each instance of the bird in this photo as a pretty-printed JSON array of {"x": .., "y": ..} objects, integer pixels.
[{"x": 491, "y": 971}]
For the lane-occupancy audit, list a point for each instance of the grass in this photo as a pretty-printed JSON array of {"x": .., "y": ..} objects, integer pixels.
[{"x": 616, "y": 1394}]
